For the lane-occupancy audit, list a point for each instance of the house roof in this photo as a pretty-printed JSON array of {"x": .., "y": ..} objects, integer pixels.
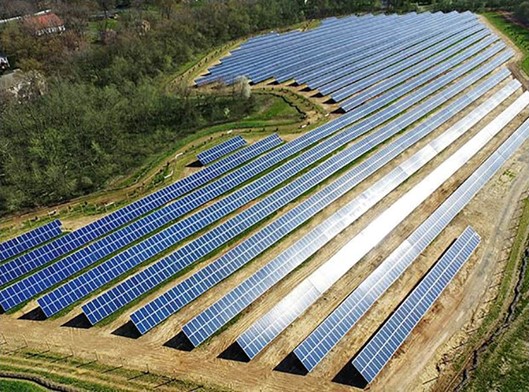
[{"x": 45, "y": 21}]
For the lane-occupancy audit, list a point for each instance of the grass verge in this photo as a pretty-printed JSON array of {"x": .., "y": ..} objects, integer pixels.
[{"x": 519, "y": 35}]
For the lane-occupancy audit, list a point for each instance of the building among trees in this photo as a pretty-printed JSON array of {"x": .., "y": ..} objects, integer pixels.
[{"x": 45, "y": 24}]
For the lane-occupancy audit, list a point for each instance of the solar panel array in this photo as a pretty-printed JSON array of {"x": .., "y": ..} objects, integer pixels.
[
  {"x": 317, "y": 345},
  {"x": 269, "y": 326},
  {"x": 188, "y": 290},
  {"x": 162, "y": 270},
  {"x": 393, "y": 94},
  {"x": 45, "y": 278},
  {"x": 146, "y": 280},
  {"x": 220, "y": 150},
  {"x": 217, "y": 315},
  {"x": 392, "y": 57},
  {"x": 29, "y": 240},
  {"x": 383, "y": 345},
  {"x": 68, "y": 243},
  {"x": 293, "y": 55},
  {"x": 313, "y": 349}
]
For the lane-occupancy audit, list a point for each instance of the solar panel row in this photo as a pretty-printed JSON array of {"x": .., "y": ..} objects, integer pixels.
[
  {"x": 146, "y": 280},
  {"x": 366, "y": 39},
  {"x": 405, "y": 41},
  {"x": 262, "y": 332},
  {"x": 466, "y": 63},
  {"x": 384, "y": 344},
  {"x": 291, "y": 39},
  {"x": 419, "y": 74},
  {"x": 214, "y": 317},
  {"x": 29, "y": 240},
  {"x": 45, "y": 278},
  {"x": 354, "y": 82},
  {"x": 220, "y": 150},
  {"x": 260, "y": 60},
  {"x": 308, "y": 59},
  {"x": 313, "y": 349},
  {"x": 162, "y": 307},
  {"x": 299, "y": 59},
  {"x": 360, "y": 42},
  {"x": 343, "y": 73},
  {"x": 84, "y": 284},
  {"x": 279, "y": 42},
  {"x": 68, "y": 243}
]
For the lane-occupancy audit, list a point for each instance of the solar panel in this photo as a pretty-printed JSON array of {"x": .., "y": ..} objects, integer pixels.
[
  {"x": 389, "y": 51},
  {"x": 434, "y": 66},
  {"x": 262, "y": 332},
  {"x": 236, "y": 64},
  {"x": 292, "y": 61},
  {"x": 434, "y": 53},
  {"x": 45, "y": 278},
  {"x": 213, "y": 318},
  {"x": 303, "y": 46},
  {"x": 155, "y": 274},
  {"x": 385, "y": 343},
  {"x": 349, "y": 48},
  {"x": 29, "y": 240},
  {"x": 69, "y": 242},
  {"x": 74, "y": 290},
  {"x": 162, "y": 307},
  {"x": 374, "y": 60},
  {"x": 295, "y": 59},
  {"x": 220, "y": 150}
]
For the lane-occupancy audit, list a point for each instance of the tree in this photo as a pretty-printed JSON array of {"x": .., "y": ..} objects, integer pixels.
[{"x": 522, "y": 12}]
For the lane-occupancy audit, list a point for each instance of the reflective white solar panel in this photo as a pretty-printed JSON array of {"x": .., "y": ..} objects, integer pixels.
[
  {"x": 162, "y": 307},
  {"x": 262, "y": 332},
  {"x": 217, "y": 315}
]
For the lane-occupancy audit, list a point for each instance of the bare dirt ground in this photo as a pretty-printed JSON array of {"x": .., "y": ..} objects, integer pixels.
[{"x": 418, "y": 363}]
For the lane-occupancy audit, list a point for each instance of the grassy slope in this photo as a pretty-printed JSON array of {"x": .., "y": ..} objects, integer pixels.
[
  {"x": 505, "y": 366},
  {"x": 517, "y": 34},
  {"x": 19, "y": 386}
]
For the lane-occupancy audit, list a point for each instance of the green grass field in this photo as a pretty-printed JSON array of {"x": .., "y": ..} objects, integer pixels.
[
  {"x": 505, "y": 365},
  {"x": 517, "y": 34},
  {"x": 7, "y": 385}
]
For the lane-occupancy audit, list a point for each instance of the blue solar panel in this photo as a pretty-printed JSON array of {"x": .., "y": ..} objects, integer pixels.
[
  {"x": 173, "y": 300},
  {"x": 29, "y": 240},
  {"x": 225, "y": 309},
  {"x": 307, "y": 52},
  {"x": 435, "y": 72},
  {"x": 56, "y": 272},
  {"x": 361, "y": 40},
  {"x": 73, "y": 291},
  {"x": 68, "y": 243},
  {"x": 162, "y": 270},
  {"x": 344, "y": 72},
  {"x": 261, "y": 64},
  {"x": 383, "y": 345},
  {"x": 300, "y": 47},
  {"x": 261, "y": 333},
  {"x": 437, "y": 62},
  {"x": 220, "y": 150},
  {"x": 378, "y": 56}
]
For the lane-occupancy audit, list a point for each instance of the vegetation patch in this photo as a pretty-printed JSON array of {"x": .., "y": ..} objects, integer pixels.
[{"x": 517, "y": 33}]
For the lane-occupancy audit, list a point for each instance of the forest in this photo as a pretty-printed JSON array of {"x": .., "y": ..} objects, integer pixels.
[{"x": 98, "y": 105}]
